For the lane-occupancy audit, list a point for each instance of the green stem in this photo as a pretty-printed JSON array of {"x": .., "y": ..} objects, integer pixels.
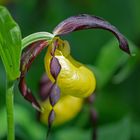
[
  {"x": 36, "y": 37},
  {"x": 10, "y": 111}
]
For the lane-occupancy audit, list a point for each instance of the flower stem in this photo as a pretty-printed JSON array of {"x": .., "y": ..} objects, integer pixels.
[{"x": 10, "y": 110}]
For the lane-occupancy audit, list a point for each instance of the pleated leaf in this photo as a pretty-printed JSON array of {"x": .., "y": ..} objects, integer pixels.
[{"x": 10, "y": 44}]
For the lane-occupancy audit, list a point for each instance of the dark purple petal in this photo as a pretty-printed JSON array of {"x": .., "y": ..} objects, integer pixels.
[
  {"x": 91, "y": 99},
  {"x": 93, "y": 115},
  {"x": 50, "y": 121},
  {"x": 27, "y": 94},
  {"x": 28, "y": 56},
  {"x": 30, "y": 53},
  {"x": 45, "y": 87},
  {"x": 55, "y": 67},
  {"x": 51, "y": 117},
  {"x": 54, "y": 94},
  {"x": 94, "y": 119},
  {"x": 84, "y": 21},
  {"x": 55, "y": 45}
]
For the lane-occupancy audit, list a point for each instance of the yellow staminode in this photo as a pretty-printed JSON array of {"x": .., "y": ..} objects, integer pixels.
[
  {"x": 74, "y": 79},
  {"x": 66, "y": 109}
]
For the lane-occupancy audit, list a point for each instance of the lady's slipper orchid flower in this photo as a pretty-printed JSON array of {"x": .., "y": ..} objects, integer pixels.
[
  {"x": 72, "y": 74},
  {"x": 68, "y": 76}
]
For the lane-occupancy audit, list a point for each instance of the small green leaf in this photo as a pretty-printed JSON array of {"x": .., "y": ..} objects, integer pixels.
[
  {"x": 128, "y": 68},
  {"x": 116, "y": 131},
  {"x": 72, "y": 133},
  {"x": 23, "y": 118},
  {"x": 109, "y": 60},
  {"x": 136, "y": 131},
  {"x": 10, "y": 44}
]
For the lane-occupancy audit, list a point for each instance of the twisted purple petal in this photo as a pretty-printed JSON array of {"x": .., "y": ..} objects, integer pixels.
[
  {"x": 54, "y": 94},
  {"x": 55, "y": 67},
  {"x": 45, "y": 87},
  {"x": 28, "y": 57}
]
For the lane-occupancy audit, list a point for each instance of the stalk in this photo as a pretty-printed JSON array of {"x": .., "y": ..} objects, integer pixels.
[{"x": 10, "y": 110}]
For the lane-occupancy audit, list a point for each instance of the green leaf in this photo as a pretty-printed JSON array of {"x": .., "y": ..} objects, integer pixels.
[
  {"x": 73, "y": 134},
  {"x": 3, "y": 122},
  {"x": 110, "y": 107},
  {"x": 128, "y": 68},
  {"x": 136, "y": 131},
  {"x": 10, "y": 44},
  {"x": 116, "y": 131},
  {"x": 23, "y": 118},
  {"x": 109, "y": 60}
]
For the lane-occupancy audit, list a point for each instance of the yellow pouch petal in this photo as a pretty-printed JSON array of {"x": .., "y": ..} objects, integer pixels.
[
  {"x": 74, "y": 78},
  {"x": 66, "y": 109}
]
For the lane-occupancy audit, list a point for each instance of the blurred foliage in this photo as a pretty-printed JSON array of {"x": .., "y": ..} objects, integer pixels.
[
  {"x": 118, "y": 82},
  {"x": 10, "y": 38}
]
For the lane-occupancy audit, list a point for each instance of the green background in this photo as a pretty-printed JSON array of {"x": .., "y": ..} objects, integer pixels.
[{"x": 118, "y": 83}]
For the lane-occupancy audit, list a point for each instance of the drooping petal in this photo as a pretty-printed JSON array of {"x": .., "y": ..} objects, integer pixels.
[
  {"x": 30, "y": 54},
  {"x": 27, "y": 94},
  {"x": 45, "y": 87},
  {"x": 28, "y": 57},
  {"x": 85, "y": 21}
]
